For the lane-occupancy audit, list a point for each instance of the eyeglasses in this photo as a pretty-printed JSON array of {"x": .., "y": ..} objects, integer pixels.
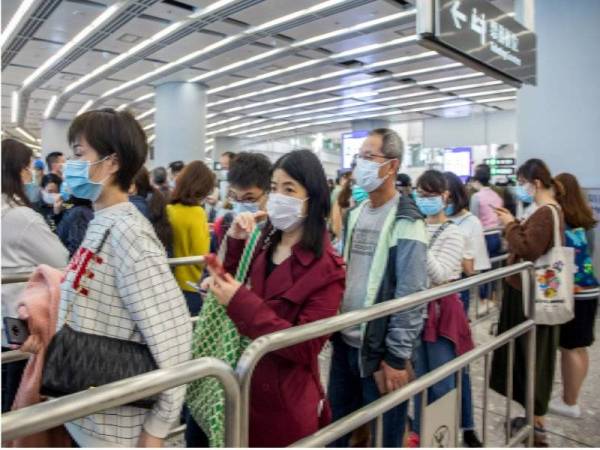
[
  {"x": 371, "y": 156},
  {"x": 232, "y": 198}
]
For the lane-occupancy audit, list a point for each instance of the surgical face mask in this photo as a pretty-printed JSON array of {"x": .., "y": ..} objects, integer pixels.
[
  {"x": 525, "y": 193},
  {"x": 367, "y": 174},
  {"x": 77, "y": 180},
  {"x": 285, "y": 212},
  {"x": 449, "y": 210},
  {"x": 359, "y": 194},
  {"x": 241, "y": 207},
  {"x": 430, "y": 206},
  {"x": 49, "y": 197}
]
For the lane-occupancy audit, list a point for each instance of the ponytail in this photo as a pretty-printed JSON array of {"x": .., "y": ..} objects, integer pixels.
[{"x": 559, "y": 190}]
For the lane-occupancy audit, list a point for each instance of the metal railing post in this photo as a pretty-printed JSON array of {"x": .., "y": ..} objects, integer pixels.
[
  {"x": 379, "y": 431},
  {"x": 509, "y": 388},
  {"x": 529, "y": 297},
  {"x": 459, "y": 405}
]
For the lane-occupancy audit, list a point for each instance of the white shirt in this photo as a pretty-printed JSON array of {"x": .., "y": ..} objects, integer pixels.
[
  {"x": 475, "y": 247},
  {"x": 444, "y": 257}
]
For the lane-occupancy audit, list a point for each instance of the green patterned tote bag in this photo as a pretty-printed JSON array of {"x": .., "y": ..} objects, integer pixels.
[{"x": 216, "y": 335}]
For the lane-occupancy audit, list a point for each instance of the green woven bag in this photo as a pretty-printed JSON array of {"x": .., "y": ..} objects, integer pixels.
[{"x": 216, "y": 335}]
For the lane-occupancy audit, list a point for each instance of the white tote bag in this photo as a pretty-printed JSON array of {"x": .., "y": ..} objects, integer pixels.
[{"x": 554, "y": 271}]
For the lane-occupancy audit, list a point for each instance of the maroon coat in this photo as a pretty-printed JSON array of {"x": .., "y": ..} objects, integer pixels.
[{"x": 285, "y": 389}]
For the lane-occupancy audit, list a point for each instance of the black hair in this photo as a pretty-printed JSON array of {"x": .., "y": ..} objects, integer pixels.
[
  {"x": 432, "y": 181},
  {"x": 458, "y": 192},
  {"x": 482, "y": 174},
  {"x": 403, "y": 180},
  {"x": 159, "y": 175},
  {"x": 16, "y": 156},
  {"x": 51, "y": 158},
  {"x": 248, "y": 170},
  {"x": 51, "y": 178},
  {"x": 113, "y": 132},
  {"x": 176, "y": 166},
  {"x": 304, "y": 167}
]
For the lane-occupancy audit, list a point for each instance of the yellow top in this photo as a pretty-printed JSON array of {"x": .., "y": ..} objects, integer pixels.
[{"x": 190, "y": 238}]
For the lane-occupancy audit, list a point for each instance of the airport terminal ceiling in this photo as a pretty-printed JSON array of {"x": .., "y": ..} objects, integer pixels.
[{"x": 272, "y": 68}]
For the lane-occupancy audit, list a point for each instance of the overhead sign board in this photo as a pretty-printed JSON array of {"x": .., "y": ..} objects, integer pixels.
[
  {"x": 351, "y": 143},
  {"x": 481, "y": 32}
]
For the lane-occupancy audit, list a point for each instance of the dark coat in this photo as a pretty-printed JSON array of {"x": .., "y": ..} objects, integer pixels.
[{"x": 286, "y": 389}]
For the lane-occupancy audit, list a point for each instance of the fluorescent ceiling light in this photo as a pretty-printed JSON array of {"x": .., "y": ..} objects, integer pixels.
[
  {"x": 85, "y": 107},
  {"x": 306, "y": 42},
  {"x": 151, "y": 138},
  {"x": 331, "y": 58},
  {"x": 235, "y": 127},
  {"x": 222, "y": 122},
  {"x": 25, "y": 134},
  {"x": 15, "y": 20},
  {"x": 14, "y": 106},
  {"x": 137, "y": 100},
  {"x": 149, "y": 127},
  {"x": 289, "y": 17},
  {"x": 326, "y": 76},
  {"x": 83, "y": 34},
  {"x": 50, "y": 106},
  {"x": 146, "y": 114}
]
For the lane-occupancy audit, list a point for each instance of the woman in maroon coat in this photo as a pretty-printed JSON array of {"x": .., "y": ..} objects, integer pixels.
[{"x": 295, "y": 278}]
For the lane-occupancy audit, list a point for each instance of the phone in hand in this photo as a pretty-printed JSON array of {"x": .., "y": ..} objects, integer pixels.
[
  {"x": 215, "y": 264},
  {"x": 16, "y": 330}
]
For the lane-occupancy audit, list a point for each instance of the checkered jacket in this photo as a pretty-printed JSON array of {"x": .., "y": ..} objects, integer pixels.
[{"x": 127, "y": 291}]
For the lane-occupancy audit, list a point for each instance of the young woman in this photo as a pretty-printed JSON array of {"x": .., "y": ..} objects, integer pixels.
[
  {"x": 152, "y": 204},
  {"x": 118, "y": 284},
  {"x": 191, "y": 236},
  {"x": 527, "y": 241},
  {"x": 577, "y": 334},
  {"x": 440, "y": 341},
  {"x": 475, "y": 259},
  {"x": 295, "y": 278},
  {"x": 26, "y": 243}
]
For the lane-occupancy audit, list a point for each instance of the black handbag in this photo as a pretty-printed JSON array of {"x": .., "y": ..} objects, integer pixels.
[{"x": 76, "y": 361}]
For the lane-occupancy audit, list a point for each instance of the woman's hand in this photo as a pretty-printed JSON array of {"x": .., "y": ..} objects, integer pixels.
[
  {"x": 504, "y": 215},
  {"x": 148, "y": 441},
  {"x": 244, "y": 224},
  {"x": 224, "y": 288}
]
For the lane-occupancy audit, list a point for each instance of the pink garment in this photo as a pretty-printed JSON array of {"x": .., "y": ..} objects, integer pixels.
[
  {"x": 39, "y": 303},
  {"x": 447, "y": 318},
  {"x": 486, "y": 197}
]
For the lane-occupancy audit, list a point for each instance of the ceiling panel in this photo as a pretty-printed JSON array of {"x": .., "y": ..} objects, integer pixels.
[
  {"x": 35, "y": 52},
  {"x": 272, "y": 9},
  {"x": 132, "y": 33},
  {"x": 185, "y": 46},
  {"x": 67, "y": 20}
]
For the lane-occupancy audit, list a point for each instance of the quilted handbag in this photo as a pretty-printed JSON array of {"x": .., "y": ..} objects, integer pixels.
[
  {"x": 77, "y": 361},
  {"x": 217, "y": 336}
]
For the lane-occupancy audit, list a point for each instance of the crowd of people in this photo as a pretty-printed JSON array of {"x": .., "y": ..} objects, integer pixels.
[{"x": 325, "y": 248}]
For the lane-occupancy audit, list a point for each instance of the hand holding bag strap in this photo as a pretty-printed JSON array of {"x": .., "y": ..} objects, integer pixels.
[{"x": 246, "y": 259}]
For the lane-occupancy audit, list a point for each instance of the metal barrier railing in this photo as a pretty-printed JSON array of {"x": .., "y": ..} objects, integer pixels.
[
  {"x": 49, "y": 414},
  {"x": 493, "y": 230},
  {"x": 286, "y": 338}
]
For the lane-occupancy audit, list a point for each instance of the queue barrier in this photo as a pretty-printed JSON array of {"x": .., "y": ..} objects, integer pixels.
[
  {"x": 55, "y": 412},
  {"x": 292, "y": 336}
]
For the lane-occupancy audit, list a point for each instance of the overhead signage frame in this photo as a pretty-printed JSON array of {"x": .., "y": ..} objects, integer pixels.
[{"x": 481, "y": 36}]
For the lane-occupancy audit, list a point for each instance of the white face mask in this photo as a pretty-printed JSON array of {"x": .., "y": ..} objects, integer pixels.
[
  {"x": 49, "y": 198},
  {"x": 285, "y": 212},
  {"x": 367, "y": 174}
]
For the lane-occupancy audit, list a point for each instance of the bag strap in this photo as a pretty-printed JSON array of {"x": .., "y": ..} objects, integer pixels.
[
  {"x": 438, "y": 232},
  {"x": 556, "y": 225},
  {"x": 246, "y": 259}
]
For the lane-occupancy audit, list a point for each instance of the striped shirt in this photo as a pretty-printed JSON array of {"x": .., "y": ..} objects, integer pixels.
[
  {"x": 127, "y": 291},
  {"x": 444, "y": 257}
]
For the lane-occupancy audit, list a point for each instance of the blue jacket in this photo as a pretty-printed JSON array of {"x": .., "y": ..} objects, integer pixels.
[
  {"x": 399, "y": 268},
  {"x": 73, "y": 225}
]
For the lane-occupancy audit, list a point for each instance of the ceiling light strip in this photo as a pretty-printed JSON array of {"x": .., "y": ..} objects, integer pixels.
[{"x": 15, "y": 21}]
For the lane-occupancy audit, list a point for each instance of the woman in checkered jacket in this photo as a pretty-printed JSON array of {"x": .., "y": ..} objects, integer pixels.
[{"x": 118, "y": 282}]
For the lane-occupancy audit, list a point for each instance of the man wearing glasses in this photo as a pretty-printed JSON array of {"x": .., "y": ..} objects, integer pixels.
[{"x": 386, "y": 252}]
